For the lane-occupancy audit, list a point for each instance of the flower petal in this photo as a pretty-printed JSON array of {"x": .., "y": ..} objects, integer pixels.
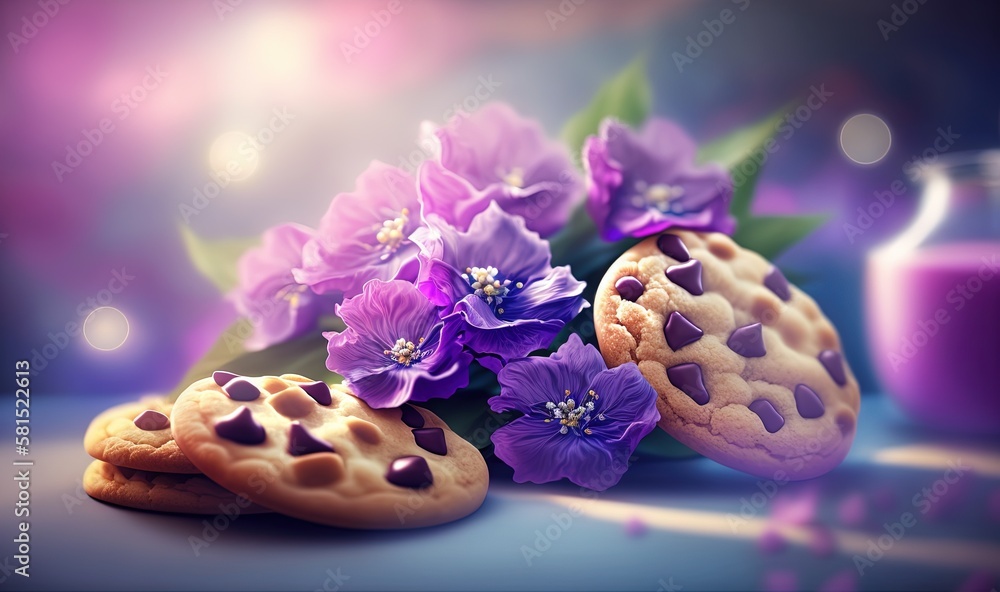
[
  {"x": 345, "y": 252},
  {"x": 484, "y": 333},
  {"x": 503, "y": 157},
  {"x": 268, "y": 290},
  {"x": 527, "y": 384},
  {"x": 628, "y": 403},
  {"x": 624, "y": 167},
  {"x": 387, "y": 311},
  {"x": 556, "y": 296},
  {"x": 538, "y": 453}
]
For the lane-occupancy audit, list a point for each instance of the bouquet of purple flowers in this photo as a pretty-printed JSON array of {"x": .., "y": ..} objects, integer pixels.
[{"x": 465, "y": 287}]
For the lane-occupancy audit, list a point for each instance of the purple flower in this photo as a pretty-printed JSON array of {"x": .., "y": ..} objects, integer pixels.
[
  {"x": 496, "y": 278},
  {"x": 497, "y": 155},
  {"x": 581, "y": 421},
  {"x": 643, "y": 183},
  {"x": 396, "y": 348},
  {"x": 364, "y": 234},
  {"x": 267, "y": 294}
]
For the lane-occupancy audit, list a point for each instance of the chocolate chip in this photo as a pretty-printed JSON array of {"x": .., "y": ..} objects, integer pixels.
[
  {"x": 776, "y": 282},
  {"x": 241, "y": 389},
  {"x": 151, "y": 421},
  {"x": 671, "y": 245},
  {"x": 411, "y": 417},
  {"x": 768, "y": 415},
  {"x": 748, "y": 341},
  {"x": 319, "y": 390},
  {"x": 679, "y": 331},
  {"x": 808, "y": 403},
  {"x": 834, "y": 364},
  {"x": 688, "y": 276},
  {"x": 629, "y": 288},
  {"x": 410, "y": 471},
  {"x": 301, "y": 442},
  {"x": 221, "y": 377},
  {"x": 241, "y": 427},
  {"x": 431, "y": 440},
  {"x": 689, "y": 379}
]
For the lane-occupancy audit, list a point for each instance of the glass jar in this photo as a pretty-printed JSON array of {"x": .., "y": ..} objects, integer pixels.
[{"x": 933, "y": 299}]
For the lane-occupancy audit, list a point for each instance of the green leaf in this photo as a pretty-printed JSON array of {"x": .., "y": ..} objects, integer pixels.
[
  {"x": 744, "y": 186},
  {"x": 744, "y": 153},
  {"x": 305, "y": 356},
  {"x": 659, "y": 444},
  {"x": 628, "y": 97},
  {"x": 772, "y": 235},
  {"x": 216, "y": 259},
  {"x": 733, "y": 148}
]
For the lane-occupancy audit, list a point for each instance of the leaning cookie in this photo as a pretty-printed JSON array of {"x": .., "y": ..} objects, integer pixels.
[
  {"x": 137, "y": 435},
  {"x": 748, "y": 370},
  {"x": 162, "y": 492},
  {"x": 320, "y": 454}
]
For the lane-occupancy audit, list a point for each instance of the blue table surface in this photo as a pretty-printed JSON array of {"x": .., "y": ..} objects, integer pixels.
[{"x": 669, "y": 525}]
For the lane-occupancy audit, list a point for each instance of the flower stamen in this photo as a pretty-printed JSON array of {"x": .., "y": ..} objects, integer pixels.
[
  {"x": 405, "y": 352},
  {"x": 393, "y": 233},
  {"x": 487, "y": 283},
  {"x": 571, "y": 415},
  {"x": 515, "y": 178},
  {"x": 660, "y": 196}
]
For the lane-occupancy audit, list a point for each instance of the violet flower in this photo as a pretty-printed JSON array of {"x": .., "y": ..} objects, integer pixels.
[
  {"x": 396, "y": 348},
  {"x": 496, "y": 155},
  {"x": 496, "y": 278},
  {"x": 278, "y": 307},
  {"x": 641, "y": 183},
  {"x": 364, "y": 234},
  {"x": 581, "y": 421}
]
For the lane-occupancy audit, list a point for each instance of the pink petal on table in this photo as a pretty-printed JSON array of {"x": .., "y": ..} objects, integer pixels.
[
  {"x": 797, "y": 507},
  {"x": 853, "y": 509},
  {"x": 885, "y": 499},
  {"x": 780, "y": 580},
  {"x": 771, "y": 542},
  {"x": 843, "y": 581},
  {"x": 993, "y": 507},
  {"x": 979, "y": 581},
  {"x": 821, "y": 541},
  {"x": 635, "y": 527}
]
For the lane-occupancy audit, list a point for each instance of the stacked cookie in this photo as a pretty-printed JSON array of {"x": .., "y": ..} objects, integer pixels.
[
  {"x": 748, "y": 370},
  {"x": 288, "y": 444}
]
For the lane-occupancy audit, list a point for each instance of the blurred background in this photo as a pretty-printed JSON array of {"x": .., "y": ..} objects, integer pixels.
[{"x": 116, "y": 114}]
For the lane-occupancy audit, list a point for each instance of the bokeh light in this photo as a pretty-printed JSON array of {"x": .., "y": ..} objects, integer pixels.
[
  {"x": 865, "y": 138},
  {"x": 235, "y": 154},
  {"x": 106, "y": 328}
]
